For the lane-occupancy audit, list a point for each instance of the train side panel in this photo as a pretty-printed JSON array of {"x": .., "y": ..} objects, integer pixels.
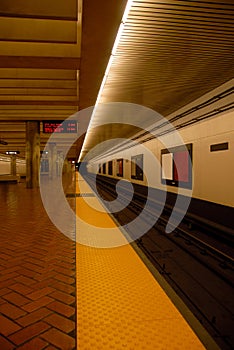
[{"x": 213, "y": 168}]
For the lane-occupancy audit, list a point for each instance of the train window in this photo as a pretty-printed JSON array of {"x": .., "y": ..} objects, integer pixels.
[
  {"x": 137, "y": 167},
  {"x": 176, "y": 166},
  {"x": 104, "y": 168},
  {"x": 110, "y": 168},
  {"x": 99, "y": 168},
  {"x": 119, "y": 167}
]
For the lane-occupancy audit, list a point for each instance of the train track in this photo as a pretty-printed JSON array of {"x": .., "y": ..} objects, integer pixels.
[{"x": 198, "y": 265}]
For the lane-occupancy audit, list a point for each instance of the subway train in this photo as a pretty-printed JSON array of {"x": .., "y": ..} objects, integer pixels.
[{"x": 197, "y": 164}]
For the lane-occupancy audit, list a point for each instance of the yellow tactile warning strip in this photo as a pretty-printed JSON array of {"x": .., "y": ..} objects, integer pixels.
[{"x": 121, "y": 305}]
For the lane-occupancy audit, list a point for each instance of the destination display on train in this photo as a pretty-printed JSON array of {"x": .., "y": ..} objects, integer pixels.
[{"x": 60, "y": 126}]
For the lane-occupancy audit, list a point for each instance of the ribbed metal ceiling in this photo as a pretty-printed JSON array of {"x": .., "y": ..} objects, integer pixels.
[{"x": 172, "y": 52}]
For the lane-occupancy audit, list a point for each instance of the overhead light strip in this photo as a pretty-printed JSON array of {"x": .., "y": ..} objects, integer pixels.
[{"x": 113, "y": 52}]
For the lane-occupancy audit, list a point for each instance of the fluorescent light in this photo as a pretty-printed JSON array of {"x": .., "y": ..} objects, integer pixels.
[
  {"x": 117, "y": 39},
  {"x": 113, "y": 52},
  {"x": 127, "y": 10}
]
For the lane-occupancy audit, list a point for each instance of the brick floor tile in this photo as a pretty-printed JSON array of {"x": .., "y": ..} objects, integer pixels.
[
  {"x": 50, "y": 347},
  {"x": 67, "y": 259},
  {"x": 34, "y": 344},
  {"x": 39, "y": 251},
  {"x": 4, "y": 291},
  {"x": 5, "y": 344},
  {"x": 36, "y": 261},
  {"x": 5, "y": 256},
  {"x": 63, "y": 271},
  {"x": 2, "y": 262},
  {"x": 11, "y": 269},
  {"x": 8, "y": 326},
  {"x": 11, "y": 311},
  {"x": 67, "y": 288},
  {"x": 36, "y": 256},
  {"x": 37, "y": 304},
  {"x": 44, "y": 276},
  {"x": 11, "y": 250},
  {"x": 59, "y": 339},
  {"x": 29, "y": 332},
  {"x": 8, "y": 276},
  {"x": 64, "y": 279},
  {"x": 60, "y": 322},
  {"x": 13, "y": 262},
  {"x": 28, "y": 273},
  {"x": 2, "y": 301},
  {"x": 40, "y": 293},
  {"x": 45, "y": 283},
  {"x": 63, "y": 264},
  {"x": 61, "y": 308},
  {"x": 25, "y": 280},
  {"x": 33, "y": 317},
  {"x": 21, "y": 288},
  {"x": 16, "y": 299},
  {"x": 64, "y": 297},
  {"x": 32, "y": 267},
  {"x": 6, "y": 283}
]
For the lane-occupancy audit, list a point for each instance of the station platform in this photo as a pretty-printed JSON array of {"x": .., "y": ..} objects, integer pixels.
[
  {"x": 59, "y": 294},
  {"x": 121, "y": 305}
]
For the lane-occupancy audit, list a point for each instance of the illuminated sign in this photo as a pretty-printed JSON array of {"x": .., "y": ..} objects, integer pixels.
[
  {"x": 62, "y": 127},
  {"x": 12, "y": 152}
]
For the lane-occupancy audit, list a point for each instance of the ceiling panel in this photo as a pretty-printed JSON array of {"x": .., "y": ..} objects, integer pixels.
[
  {"x": 40, "y": 9},
  {"x": 169, "y": 54},
  {"x": 39, "y": 64},
  {"x": 38, "y": 30}
]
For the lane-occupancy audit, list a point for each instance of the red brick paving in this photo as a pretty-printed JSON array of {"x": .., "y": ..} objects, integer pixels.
[
  {"x": 34, "y": 344},
  {"x": 59, "y": 339},
  {"x": 35, "y": 305},
  {"x": 28, "y": 333},
  {"x": 5, "y": 344},
  {"x": 61, "y": 308},
  {"x": 7, "y": 326},
  {"x": 16, "y": 299},
  {"x": 37, "y": 275},
  {"x": 34, "y": 316},
  {"x": 11, "y": 311},
  {"x": 64, "y": 297},
  {"x": 61, "y": 323}
]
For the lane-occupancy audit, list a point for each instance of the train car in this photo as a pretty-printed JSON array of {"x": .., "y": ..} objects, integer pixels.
[
  {"x": 193, "y": 159},
  {"x": 209, "y": 177}
]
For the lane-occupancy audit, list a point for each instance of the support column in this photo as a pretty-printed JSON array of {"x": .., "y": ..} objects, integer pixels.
[
  {"x": 13, "y": 165},
  {"x": 52, "y": 160},
  {"x": 32, "y": 154},
  {"x": 59, "y": 162}
]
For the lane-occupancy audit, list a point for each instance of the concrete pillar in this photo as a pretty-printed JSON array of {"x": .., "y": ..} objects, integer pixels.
[
  {"x": 52, "y": 160},
  {"x": 59, "y": 162},
  {"x": 32, "y": 154},
  {"x": 13, "y": 165}
]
